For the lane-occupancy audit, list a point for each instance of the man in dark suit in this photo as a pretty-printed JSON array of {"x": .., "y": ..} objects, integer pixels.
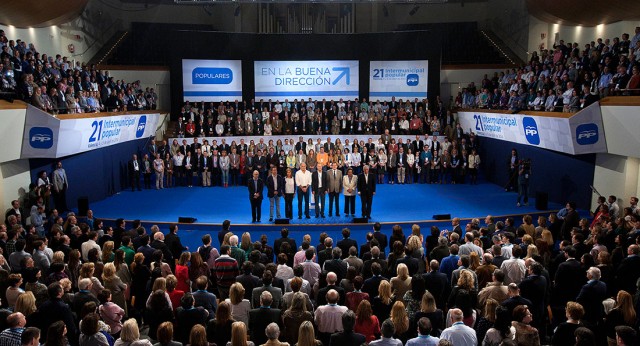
[
  {"x": 261, "y": 317},
  {"x": 346, "y": 243},
  {"x": 332, "y": 280},
  {"x": 568, "y": 280},
  {"x": 173, "y": 242},
  {"x": 55, "y": 309},
  {"x": 159, "y": 244},
  {"x": 319, "y": 185},
  {"x": 366, "y": 190},
  {"x": 437, "y": 283},
  {"x": 571, "y": 220},
  {"x": 301, "y": 145},
  {"x": 336, "y": 265},
  {"x": 347, "y": 336},
  {"x": 284, "y": 234},
  {"x": 247, "y": 279},
  {"x": 411, "y": 262},
  {"x": 514, "y": 299},
  {"x": 134, "y": 172},
  {"x": 275, "y": 189},
  {"x": 256, "y": 186},
  {"x": 226, "y": 224},
  {"x": 380, "y": 237},
  {"x": 629, "y": 270},
  {"x": 371, "y": 284},
  {"x": 591, "y": 296},
  {"x": 367, "y": 270},
  {"x": 534, "y": 288}
]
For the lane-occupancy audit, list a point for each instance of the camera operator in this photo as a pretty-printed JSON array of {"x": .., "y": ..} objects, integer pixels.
[{"x": 524, "y": 174}]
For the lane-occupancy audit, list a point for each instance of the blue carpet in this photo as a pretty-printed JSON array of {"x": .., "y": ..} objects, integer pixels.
[{"x": 402, "y": 204}]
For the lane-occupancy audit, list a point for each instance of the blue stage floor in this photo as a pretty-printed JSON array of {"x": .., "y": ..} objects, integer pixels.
[
  {"x": 401, "y": 204},
  {"x": 392, "y": 203}
]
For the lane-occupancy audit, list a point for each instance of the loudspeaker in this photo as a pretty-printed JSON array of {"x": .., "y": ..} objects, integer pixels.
[
  {"x": 186, "y": 219},
  {"x": 442, "y": 217},
  {"x": 282, "y": 221},
  {"x": 83, "y": 206},
  {"x": 360, "y": 220},
  {"x": 542, "y": 200}
]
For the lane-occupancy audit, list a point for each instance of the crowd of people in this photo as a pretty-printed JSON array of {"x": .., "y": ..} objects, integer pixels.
[
  {"x": 563, "y": 79},
  {"x": 58, "y": 85},
  {"x": 564, "y": 281},
  {"x": 391, "y": 159}
]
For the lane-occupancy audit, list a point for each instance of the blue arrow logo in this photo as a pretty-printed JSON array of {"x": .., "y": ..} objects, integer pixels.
[{"x": 344, "y": 71}]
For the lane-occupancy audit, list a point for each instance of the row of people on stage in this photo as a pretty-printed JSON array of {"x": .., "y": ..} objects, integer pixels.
[
  {"x": 426, "y": 161},
  {"x": 320, "y": 183},
  {"x": 349, "y": 123}
]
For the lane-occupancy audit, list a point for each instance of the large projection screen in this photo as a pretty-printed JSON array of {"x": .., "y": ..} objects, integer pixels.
[
  {"x": 212, "y": 80},
  {"x": 406, "y": 79},
  {"x": 320, "y": 79}
]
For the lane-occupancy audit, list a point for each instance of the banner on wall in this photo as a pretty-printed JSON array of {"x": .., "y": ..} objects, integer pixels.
[
  {"x": 580, "y": 133},
  {"x": 49, "y": 137},
  {"x": 402, "y": 79},
  {"x": 211, "y": 80},
  {"x": 331, "y": 80}
]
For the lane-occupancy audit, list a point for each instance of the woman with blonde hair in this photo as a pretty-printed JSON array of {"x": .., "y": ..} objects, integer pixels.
[
  {"x": 130, "y": 335},
  {"x": 165, "y": 335},
  {"x": 306, "y": 335},
  {"x": 107, "y": 252},
  {"x": 239, "y": 335},
  {"x": 26, "y": 304},
  {"x": 486, "y": 321},
  {"x": 240, "y": 307},
  {"x": 245, "y": 243},
  {"x": 86, "y": 272},
  {"x": 113, "y": 283},
  {"x": 623, "y": 314},
  {"x": 367, "y": 323},
  {"x": 414, "y": 245},
  {"x": 464, "y": 296},
  {"x": 400, "y": 320},
  {"x": 429, "y": 310},
  {"x": 384, "y": 300},
  {"x": 198, "y": 336},
  {"x": 294, "y": 316},
  {"x": 401, "y": 283},
  {"x": 532, "y": 251},
  {"x": 474, "y": 260}
]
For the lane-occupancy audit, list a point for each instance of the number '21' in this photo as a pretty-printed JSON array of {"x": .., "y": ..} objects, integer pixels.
[
  {"x": 378, "y": 73},
  {"x": 97, "y": 127},
  {"x": 478, "y": 120}
]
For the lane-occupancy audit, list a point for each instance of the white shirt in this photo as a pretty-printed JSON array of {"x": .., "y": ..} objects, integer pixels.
[
  {"x": 303, "y": 178},
  {"x": 460, "y": 334},
  {"x": 328, "y": 318},
  {"x": 87, "y": 246},
  {"x": 289, "y": 185}
]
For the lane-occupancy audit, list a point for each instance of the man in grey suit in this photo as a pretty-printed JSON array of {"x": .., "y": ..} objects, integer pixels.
[
  {"x": 276, "y": 293},
  {"x": 350, "y": 183},
  {"x": 60, "y": 186},
  {"x": 334, "y": 177}
]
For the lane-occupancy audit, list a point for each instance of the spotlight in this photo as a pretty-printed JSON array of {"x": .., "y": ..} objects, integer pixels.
[{"x": 414, "y": 10}]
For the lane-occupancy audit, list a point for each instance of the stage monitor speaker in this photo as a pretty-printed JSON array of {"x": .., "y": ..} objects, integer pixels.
[
  {"x": 83, "y": 206},
  {"x": 542, "y": 201},
  {"x": 186, "y": 219},
  {"x": 282, "y": 221},
  {"x": 360, "y": 220},
  {"x": 442, "y": 217}
]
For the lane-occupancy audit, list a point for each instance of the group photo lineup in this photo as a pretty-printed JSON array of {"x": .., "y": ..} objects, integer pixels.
[{"x": 319, "y": 173}]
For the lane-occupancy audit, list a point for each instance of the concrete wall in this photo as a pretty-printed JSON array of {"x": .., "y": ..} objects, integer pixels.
[{"x": 616, "y": 175}]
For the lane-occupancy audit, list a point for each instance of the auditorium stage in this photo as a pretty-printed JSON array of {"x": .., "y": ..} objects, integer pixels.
[{"x": 403, "y": 204}]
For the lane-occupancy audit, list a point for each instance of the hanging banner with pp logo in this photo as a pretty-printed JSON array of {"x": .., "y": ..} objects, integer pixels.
[
  {"x": 331, "y": 80},
  {"x": 402, "y": 79},
  {"x": 212, "y": 80}
]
